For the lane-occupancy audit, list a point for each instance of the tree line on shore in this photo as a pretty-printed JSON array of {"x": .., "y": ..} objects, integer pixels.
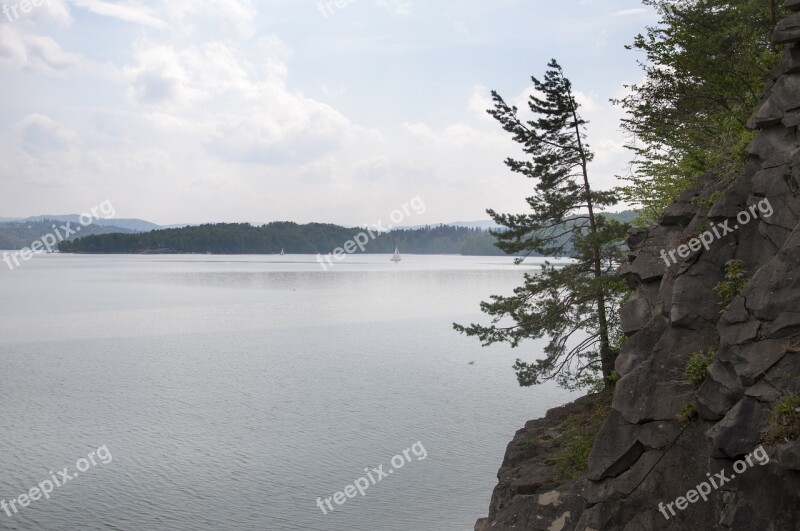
[{"x": 292, "y": 238}]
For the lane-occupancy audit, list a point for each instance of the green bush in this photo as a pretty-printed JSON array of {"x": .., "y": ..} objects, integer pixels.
[
  {"x": 710, "y": 201},
  {"x": 734, "y": 282},
  {"x": 697, "y": 366},
  {"x": 688, "y": 413},
  {"x": 784, "y": 422}
]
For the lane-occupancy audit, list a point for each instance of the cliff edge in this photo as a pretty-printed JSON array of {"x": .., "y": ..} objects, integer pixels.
[{"x": 673, "y": 454}]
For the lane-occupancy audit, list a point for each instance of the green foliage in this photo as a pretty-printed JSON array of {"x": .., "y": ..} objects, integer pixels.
[
  {"x": 575, "y": 306},
  {"x": 576, "y": 436},
  {"x": 734, "y": 282},
  {"x": 705, "y": 65},
  {"x": 710, "y": 201},
  {"x": 688, "y": 413},
  {"x": 697, "y": 366},
  {"x": 784, "y": 422}
]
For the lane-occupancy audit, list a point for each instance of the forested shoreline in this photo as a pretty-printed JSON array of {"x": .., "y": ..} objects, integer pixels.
[{"x": 292, "y": 238}]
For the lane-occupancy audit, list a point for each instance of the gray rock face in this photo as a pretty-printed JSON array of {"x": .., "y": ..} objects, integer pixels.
[
  {"x": 640, "y": 346},
  {"x": 622, "y": 450},
  {"x": 741, "y": 430},
  {"x": 635, "y": 315},
  {"x": 788, "y": 30},
  {"x": 721, "y": 390},
  {"x": 643, "y": 455}
]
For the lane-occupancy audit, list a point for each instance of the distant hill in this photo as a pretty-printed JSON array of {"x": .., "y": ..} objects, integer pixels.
[
  {"x": 17, "y": 235},
  {"x": 134, "y": 225}
]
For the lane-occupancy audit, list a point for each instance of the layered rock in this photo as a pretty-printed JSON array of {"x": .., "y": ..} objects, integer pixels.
[{"x": 643, "y": 456}]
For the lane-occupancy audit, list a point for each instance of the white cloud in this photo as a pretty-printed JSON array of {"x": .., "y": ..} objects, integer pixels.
[
  {"x": 480, "y": 102},
  {"x": 631, "y": 12},
  {"x": 51, "y": 10},
  {"x": 39, "y": 134},
  {"x": 127, "y": 12},
  {"x": 238, "y": 17},
  {"x": 243, "y": 110},
  {"x": 20, "y": 51},
  {"x": 161, "y": 77},
  {"x": 586, "y": 101},
  {"x": 331, "y": 122},
  {"x": 290, "y": 128}
]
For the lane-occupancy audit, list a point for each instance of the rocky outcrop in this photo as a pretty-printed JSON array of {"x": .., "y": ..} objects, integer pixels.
[
  {"x": 530, "y": 493},
  {"x": 643, "y": 456}
]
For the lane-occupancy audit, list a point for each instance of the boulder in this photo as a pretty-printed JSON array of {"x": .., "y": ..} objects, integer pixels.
[{"x": 741, "y": 430}]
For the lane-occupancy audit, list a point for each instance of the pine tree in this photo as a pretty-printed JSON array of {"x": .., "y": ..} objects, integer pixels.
[{"x": 574, "y": 306}]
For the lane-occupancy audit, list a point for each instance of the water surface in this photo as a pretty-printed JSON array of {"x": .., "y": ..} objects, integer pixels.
[{"x": 232, "y": 392}]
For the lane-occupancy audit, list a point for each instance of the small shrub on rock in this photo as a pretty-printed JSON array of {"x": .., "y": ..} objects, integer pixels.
[
  {"x": 784, "y": 422},
  {"x": 734, "y": 282},
  {"x": 688, "y": 413},
  {"x": 697, "y": 366}
]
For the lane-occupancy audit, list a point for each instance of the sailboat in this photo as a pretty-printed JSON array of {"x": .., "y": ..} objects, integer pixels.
[
  {"x": 282, "y": 253},
  {"x": 396, "y": 258}
]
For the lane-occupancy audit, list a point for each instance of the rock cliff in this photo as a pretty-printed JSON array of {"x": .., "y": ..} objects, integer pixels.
[{"x": 643, "y": 457}]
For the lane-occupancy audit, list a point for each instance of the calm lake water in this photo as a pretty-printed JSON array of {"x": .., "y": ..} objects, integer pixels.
[{"x": 232, "y": 392}]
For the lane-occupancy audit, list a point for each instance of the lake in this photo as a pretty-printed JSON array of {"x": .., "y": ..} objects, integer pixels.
[{"x": 231, "y": 392}]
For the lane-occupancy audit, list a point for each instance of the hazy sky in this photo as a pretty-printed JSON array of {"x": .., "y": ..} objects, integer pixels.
[{"x": 250, "y": 110}]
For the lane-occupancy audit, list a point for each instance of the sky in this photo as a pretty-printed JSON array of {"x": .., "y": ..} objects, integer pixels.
[{"x": 340, "y": 111}]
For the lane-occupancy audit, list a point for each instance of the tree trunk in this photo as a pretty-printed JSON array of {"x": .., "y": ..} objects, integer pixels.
[
  {"x": 606, "y": 363},
  {"x": 773, "y": 18}
]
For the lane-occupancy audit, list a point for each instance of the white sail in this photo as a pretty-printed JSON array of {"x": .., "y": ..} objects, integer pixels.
[{"x": 396, "y": 257}]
